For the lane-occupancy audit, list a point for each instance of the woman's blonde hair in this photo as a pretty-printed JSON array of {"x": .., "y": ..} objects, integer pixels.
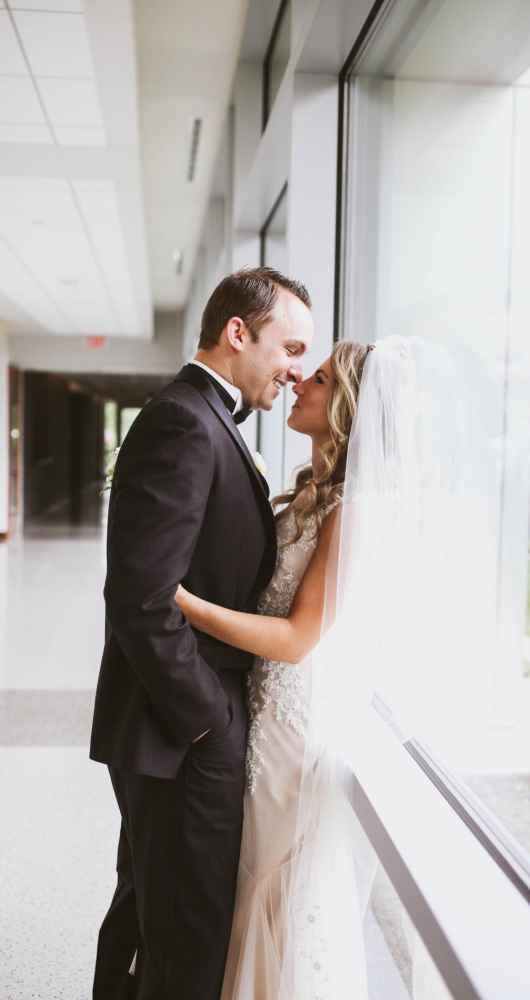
[{"x": 347, "y": 363}]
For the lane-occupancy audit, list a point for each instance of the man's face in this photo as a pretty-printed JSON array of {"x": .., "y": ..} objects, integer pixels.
[{"x": 265, "y": 367}]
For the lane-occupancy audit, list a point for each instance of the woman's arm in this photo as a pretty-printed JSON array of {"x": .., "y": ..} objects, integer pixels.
[{"x": 283, "y": 639}]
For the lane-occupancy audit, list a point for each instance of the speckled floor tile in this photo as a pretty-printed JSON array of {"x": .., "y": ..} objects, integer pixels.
[
  {"x": 46, "y": 718},
  {"x": 51, "y": 596},
  {"x": 57, "y": 852}
]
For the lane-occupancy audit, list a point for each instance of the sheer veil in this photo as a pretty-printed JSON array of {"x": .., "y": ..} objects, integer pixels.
[{"x": 409, "y": 619}]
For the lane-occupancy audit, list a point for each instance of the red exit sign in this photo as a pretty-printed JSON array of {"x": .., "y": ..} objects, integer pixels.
[{"x": 96, "y": 341}]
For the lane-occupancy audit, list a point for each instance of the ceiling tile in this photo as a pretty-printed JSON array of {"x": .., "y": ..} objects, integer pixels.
[
  {"x": 19, "y": 285},
  {"x": 74, "y": 136},
  {"x": 59, "y": 6},
  {"x": 40, "y": 220},
  {"x": 71, "y": 102},
  {"x": 12, "y": 61},
  {"x": 26, "y": 133},
  {"x": 99, "y": 206},
  {"x": 19, "y": 104},
  {"x": 55, "y": 44}
]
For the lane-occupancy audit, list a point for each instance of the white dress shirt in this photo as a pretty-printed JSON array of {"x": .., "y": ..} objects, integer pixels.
[{"x": 232, "y": 390}]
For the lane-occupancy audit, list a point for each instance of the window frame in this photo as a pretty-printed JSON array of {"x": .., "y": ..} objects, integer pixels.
[
  {"x": 267, "y": 103},
  {"x": 378, "y": 12},
  {"x": 473, "y": 955}
]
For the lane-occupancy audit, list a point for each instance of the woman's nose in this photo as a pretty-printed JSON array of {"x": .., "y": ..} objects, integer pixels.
[{"x": 298, "y": 388}]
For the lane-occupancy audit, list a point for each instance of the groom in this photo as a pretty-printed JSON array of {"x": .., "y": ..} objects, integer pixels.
[{"x": 187, "y": 504}]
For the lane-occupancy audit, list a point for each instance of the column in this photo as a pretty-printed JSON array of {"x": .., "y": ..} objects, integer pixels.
[{"x": 311, "y": 221}]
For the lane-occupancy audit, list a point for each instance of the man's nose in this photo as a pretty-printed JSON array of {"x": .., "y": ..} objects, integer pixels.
[{"x": 294, "y": 373}]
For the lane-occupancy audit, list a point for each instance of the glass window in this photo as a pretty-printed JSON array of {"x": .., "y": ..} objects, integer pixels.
[
  {"x": 110, "y": 432},
  {"x": 276, "y": 58},
  {"x": 272, "y": 425},
  {"x": 436, "y": 243},
  {"x": 526, "y": 640},
  {"x": 15, "y": 442},
  {"x": 128, "y": 415}
]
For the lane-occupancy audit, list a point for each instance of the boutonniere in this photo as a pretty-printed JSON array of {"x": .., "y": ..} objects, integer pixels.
[
  {"x": 109, "y": 471},
  {"x": 260, "y": 463}
]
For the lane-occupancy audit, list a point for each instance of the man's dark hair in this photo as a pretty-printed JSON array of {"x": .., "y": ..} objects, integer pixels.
[{"x": 249, "y": 294}]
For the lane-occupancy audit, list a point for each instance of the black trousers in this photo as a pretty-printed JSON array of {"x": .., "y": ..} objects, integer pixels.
[{"x": 177, "y": 867}]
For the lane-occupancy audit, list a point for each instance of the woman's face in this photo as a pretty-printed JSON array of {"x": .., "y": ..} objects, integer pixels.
[{"x": 309, "y": 414}]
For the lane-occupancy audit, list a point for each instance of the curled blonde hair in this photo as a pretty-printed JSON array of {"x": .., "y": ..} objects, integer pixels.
[{"x": 347, "y": 363}]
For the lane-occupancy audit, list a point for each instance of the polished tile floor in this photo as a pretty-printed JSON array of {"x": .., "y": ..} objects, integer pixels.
[
  {"x": 59, "y": 821},
  {"x": 59, "y": 825}
]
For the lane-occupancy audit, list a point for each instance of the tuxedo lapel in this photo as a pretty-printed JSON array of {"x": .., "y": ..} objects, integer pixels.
[{"x": 199, "y": 379}]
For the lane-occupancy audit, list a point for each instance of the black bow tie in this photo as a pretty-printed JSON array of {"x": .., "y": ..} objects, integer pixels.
[
  {"x": 230, "y": 404},
  {"x": 242, "y": 414}
]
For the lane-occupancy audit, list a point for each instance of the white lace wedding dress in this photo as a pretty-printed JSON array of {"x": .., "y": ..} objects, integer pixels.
[{"x": 325, "y": 965}]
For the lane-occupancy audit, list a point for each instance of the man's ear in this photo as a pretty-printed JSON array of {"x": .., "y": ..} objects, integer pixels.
[{"x": 236, "y": 333}]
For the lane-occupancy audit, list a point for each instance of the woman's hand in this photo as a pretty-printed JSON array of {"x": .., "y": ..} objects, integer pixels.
[
  {"x": 183, "y": 599},
  {"x": 287, "y": 640}
]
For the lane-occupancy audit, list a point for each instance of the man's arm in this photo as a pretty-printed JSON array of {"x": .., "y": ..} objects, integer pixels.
[{"x": 164, "y": 478}]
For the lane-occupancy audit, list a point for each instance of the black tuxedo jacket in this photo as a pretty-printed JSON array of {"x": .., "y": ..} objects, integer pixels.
[{"x": 187, "y": 505}]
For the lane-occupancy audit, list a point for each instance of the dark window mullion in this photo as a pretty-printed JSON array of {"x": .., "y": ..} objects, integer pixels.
[{"x": 266, "y": 103}]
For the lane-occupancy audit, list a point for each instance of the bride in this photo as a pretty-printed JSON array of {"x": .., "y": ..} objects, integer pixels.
[
  {"x": 296, "y": 932},
  {"x": 390, "y": 523}
]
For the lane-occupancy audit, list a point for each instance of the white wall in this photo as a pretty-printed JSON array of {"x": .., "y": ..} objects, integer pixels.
[
  {"x": 245, "y": 253},
  {"x": 211, "y": 265},
  {"x": 246, "y": 101},
  {"x": 4, "y": 429},
  {"x": 122, "y": 355},
  {"x": 218, "y": 253},
  {"x": 288, "y": 151}
]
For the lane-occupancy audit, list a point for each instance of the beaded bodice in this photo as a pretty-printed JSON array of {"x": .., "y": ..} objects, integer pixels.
[
  {"x": 280, "y": 687},
  {"x": 291, "y": 564}
]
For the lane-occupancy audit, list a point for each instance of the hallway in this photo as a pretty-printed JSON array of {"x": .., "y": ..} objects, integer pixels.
[
  {"x": 378, "y": 152},
  {"x": 56, "y": 843}
]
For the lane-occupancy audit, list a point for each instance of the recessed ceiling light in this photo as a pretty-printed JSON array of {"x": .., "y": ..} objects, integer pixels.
[{"x": 69, "y": 282}]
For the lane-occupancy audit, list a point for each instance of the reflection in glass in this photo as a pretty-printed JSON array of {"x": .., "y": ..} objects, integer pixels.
[{"x": 398, "y": 963}]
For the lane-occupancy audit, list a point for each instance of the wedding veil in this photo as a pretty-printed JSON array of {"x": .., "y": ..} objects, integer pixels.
[{"x": 409, "y": 622}]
